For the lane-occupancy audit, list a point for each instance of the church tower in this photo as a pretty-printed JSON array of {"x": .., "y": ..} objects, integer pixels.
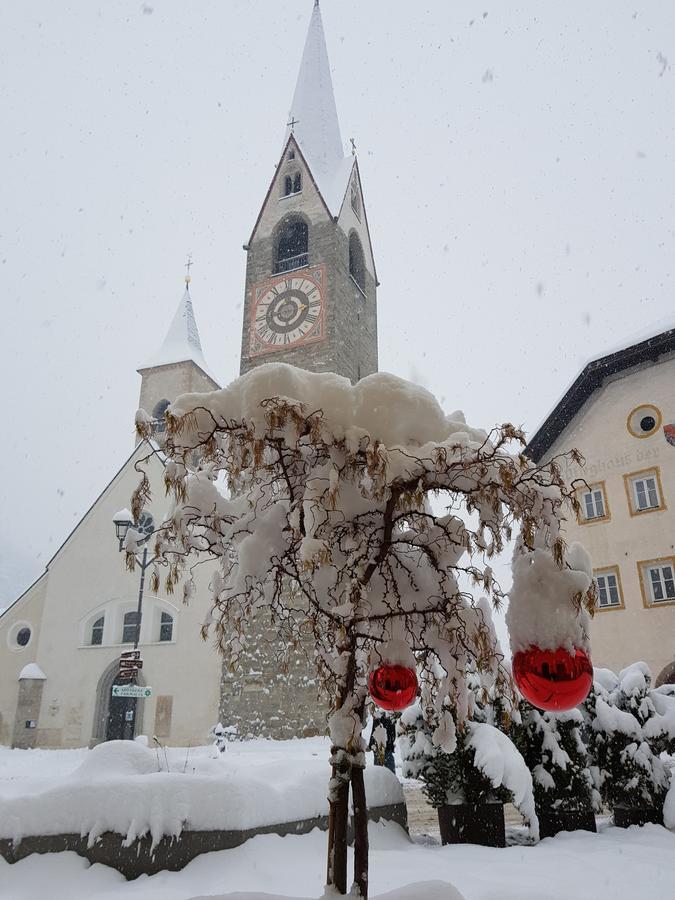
[
  {"x": 178, "y": 367},
  {"x": 310, "y": 297}
]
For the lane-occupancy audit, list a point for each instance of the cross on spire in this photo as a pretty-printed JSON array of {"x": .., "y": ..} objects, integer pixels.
[
  {"x": 292, "y": 123},
  {"x": 353, "y": 143},
  {"x": 188, "y": 266}
]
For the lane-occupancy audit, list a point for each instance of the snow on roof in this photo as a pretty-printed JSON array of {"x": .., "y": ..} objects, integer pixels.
[
  {"x": 32, "y": 672},
  {"x": 315, "y": 120},
  {"x": 182, "y": 341}
]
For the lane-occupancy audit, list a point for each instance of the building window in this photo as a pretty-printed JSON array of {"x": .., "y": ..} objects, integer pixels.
[
  {"x": 291, "y": 154},
  {"x": 593, "y": 502},
  {"x": 19, "y": 636},
  {"x": 644, "y": 421},
  {"x": 644, "y": 491},
  {"x": 97, "y": 632},
  {"x": 166, "y": 627},
  {"x": 357, "y": 264},
  {"x": 292, "y": 246},
  {"x": 23, "y": 636},
  {"x": 159, "y": 415},
  {"x": 608, "y": 584},
  {"x": 129, "y": 627},
  {"x": 658, "y": 580},
  {"x": 292, "y": 184},
  {"x": 356, "y": 200}
]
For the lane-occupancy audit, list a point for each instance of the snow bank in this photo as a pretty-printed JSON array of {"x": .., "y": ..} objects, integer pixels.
[
  {"x": 422, "y": 890},
  {"x": 120, "y": 787}
]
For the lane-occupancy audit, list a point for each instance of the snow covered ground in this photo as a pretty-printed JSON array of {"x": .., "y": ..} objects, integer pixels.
[
  {"x": 615, "y": 864},
  {"x": 634, "y": 864}
]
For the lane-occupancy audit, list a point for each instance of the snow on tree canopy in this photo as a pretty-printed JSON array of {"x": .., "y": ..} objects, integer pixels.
[
  {"x": 382, "y": 407},
  {"x": 330, "y": 536}
]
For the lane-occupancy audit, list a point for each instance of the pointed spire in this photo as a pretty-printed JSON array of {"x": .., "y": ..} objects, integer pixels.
[
  {"x": 182, "y": 342},
  {"x": 313, "y": 112}
]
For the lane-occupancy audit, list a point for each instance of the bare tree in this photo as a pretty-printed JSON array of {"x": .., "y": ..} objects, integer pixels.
[{"x": 360, "y": 518}]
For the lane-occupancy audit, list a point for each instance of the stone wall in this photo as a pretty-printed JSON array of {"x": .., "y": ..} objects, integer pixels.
[{"x": 28, "y": 705}]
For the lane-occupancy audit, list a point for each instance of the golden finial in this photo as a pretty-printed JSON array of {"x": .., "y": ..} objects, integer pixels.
[{"x": 188, "y": 266}]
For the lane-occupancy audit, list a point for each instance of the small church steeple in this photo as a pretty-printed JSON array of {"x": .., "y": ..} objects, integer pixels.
[
  {"x": 178, "y": 366},
  {"x": 310, "y": 274}
]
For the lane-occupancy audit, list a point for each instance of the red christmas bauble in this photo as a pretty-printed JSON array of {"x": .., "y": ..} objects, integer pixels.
[
  {"x": 554, "y": 680},
  {"x": 393, "y": 687}
]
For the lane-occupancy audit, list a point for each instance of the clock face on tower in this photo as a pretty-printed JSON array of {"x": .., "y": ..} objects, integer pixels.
[{"x": 288, "y": 311}]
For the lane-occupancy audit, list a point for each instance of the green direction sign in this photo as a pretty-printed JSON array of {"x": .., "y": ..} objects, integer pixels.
[{"x": 131, "y": 690}]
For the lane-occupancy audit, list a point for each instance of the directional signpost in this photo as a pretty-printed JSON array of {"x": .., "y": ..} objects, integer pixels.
[
  {"x": 130, "y": 665},
  {"x": 131, "y": 690}
]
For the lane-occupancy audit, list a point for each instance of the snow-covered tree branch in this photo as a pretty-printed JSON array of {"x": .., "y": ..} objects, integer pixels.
[{"x": 358, "y": 517}]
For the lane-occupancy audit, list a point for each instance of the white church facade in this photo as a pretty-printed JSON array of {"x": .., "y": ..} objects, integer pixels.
[{"x": 310, "y": 300}]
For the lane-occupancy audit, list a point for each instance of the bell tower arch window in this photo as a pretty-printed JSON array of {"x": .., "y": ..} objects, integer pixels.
[
  {"x": 292, "y": 184},
  {"x": 357, "y": 263},
  {"x": 159, "y": 425},
  {"x": 291, "y": 248}
]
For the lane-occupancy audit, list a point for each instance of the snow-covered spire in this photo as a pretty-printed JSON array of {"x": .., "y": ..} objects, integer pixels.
[
  {"x": 313, "y": 118},
  {"x": 182, "y": 342}
]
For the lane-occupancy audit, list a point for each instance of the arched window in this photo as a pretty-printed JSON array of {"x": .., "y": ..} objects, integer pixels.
[
  {"x": 357, "y": 264},
  {"x": 291, "y": 154},
  {"x": 292, "y": 184},
  {"x": 158, "y": 415},
  {"x": 129, "y": 627},
  {"x": 166, "y": 627},
  {"x": 97, "y": 632},
  {"x": 292, "y": 246}
]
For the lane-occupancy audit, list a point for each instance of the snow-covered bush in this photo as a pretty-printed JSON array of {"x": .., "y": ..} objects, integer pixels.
[
  {"x": 330, "y": 533},
  {"x": 620, "y": 714},
  {"x": 660, "y": 729},
  {"x": 555, "y": 753},
  {"x": 483, "y": 767}
]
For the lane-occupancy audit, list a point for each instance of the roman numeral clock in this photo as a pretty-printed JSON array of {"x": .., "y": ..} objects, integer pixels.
[{"x": 287, "y": 311}]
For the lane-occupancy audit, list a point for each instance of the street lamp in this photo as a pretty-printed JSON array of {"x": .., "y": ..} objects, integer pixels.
[
  {"x": 142, "y": 531},
  {"x": 131, "y": 536}
]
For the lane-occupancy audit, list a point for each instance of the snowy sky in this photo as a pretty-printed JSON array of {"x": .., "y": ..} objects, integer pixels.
[{"x": 519, "y": 174}]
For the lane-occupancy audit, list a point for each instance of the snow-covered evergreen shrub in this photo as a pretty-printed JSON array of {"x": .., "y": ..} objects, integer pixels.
[
  {"x": 555, "y": 753},
  {"x": 629, "y": 772},
  {"x": 483, "y": 767},
  {"x": 660, "y": 730}
]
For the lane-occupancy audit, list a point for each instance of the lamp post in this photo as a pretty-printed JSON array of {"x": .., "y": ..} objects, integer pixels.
[{"x": 143, "y": 530}]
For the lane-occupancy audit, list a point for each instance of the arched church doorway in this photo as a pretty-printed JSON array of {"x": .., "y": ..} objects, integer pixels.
[{"x": 115, "y": 718}]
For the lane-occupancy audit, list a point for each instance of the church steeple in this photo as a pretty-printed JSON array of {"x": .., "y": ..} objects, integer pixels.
[
  {"x": 310, "y": 275},
  {"x": 313, "y": 118},
  {"x": 178, "y": 366}
]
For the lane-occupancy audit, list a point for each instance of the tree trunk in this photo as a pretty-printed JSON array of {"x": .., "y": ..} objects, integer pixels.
[
  {"x": 360, "y": 831},
  {"x": 338, "y": 814},
  {"x": 341, "y": 823}
]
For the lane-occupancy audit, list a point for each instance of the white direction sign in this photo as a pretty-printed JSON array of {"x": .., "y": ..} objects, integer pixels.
[{"x": 131, "y": 690}]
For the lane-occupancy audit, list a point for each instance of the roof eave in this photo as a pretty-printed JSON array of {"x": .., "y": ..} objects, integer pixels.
[{"x": 590, "y": 379}]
